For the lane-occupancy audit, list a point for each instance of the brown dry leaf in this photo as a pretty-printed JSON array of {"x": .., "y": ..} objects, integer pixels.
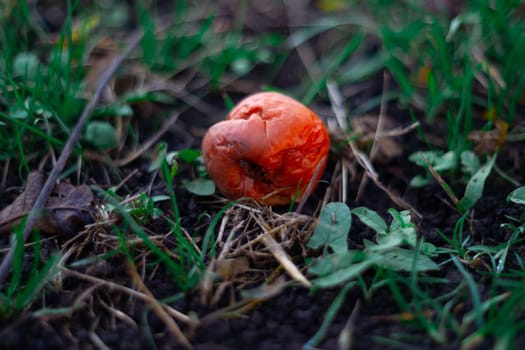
[
  {"x": 230, "y": 268},
  {"x": 101, "y": 56},
  {"x": 68, "y": 209},
  {"x": 97, "y": 67},
  {"x": 421, "y": 76},
  {"x": 488, "y": 142}
]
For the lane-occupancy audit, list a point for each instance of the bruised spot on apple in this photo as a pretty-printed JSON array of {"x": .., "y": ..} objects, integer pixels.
[{"x": 268, "y": 148}]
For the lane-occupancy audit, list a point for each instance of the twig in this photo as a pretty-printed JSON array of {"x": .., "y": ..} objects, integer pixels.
[
  {"x": 365, "y": 163},
  {"x": 5, "y": 267},
  {"x": 282, "y": 257},
  {"x": 379, "y": 130},
  {"x": 441, "y": 182},
  {"x": 336, "y": 102},
  {"x": 396, "y": 132},
  {"x": 131, "y": 292},
  {"x": 157, "y": 307},
  {"x": 381, "y": 120}
]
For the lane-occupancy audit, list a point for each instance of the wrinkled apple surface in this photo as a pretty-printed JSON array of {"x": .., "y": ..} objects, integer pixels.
[{"x": 268, "y": 148}]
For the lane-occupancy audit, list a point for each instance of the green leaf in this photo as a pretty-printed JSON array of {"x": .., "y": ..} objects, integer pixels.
[
  {"x": 475, "y": 186},
  {"x": 26, "y": 64},
  {"x": 159, "y": 157},
  {"x": 439, "y": 162},
  {"x": 469, "y": 162},
  {"x": 343, "y": 275},
  {"x": 422, "y": 158},
  {"x": 401, "y": 219},
  {"x": 419, "y": 181},
  {"x": 188, "y": 155},
  {"x": 399, "y": 259},
  {"x": 338, "y": 268},
  {"x": 328, "y": 264},
  {"x": 333, "y": 227},
  {"x": 18, "y": 112},
  {"x": 517, "y": 196},
  {"x": 371, "y": 219},
  {"x": 428, "y": 249},
  {"x": 393, "y": 239},
  {"x": 402, "y": 227},
  {"x": 101, "y": 134},
  {"x": 200, "y": 186},
  {"x": 401, "y": 231},
  {"x": 447, "y": 161},
  {"x": 160, "y": 198},
  {"x": 141, "y": 95},
  {"x": 240, "y": 66},
  {"x": 115, "y": 110}
]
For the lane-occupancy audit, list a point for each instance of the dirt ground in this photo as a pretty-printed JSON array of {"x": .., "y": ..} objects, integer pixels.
[
  {"x": 288, "y": 320},
  {"x": 109, "y": 317}
]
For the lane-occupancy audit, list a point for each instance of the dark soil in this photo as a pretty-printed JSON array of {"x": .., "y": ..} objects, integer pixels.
[{"x": 290, "y": 319}]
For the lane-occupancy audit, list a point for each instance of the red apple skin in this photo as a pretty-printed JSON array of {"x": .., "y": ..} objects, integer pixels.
[{"x": 268, "y": 148}]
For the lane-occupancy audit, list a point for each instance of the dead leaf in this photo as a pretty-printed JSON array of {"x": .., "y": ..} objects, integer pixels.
[
  {"x": 488, "y": 142},
  {"x": 421, "y": 76},
  {"x": 229, "y": 268},
  {"x": 68, "y": 209}
]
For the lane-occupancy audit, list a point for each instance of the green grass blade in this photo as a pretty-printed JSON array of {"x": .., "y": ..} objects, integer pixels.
[
  {"x": 474, "y": 292},
  {"x": 208, "y": 242},
  {"x": 321, "y": 82},
  {"x": 332, "y": 311}
]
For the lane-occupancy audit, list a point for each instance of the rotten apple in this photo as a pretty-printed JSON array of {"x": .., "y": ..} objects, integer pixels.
[{"x": 269, "y": 148}]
